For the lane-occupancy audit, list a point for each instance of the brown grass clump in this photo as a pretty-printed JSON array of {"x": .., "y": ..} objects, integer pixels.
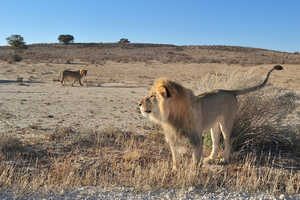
[
  {"x": 260, "y": 124},
  {"x": 9, "y": 146}
]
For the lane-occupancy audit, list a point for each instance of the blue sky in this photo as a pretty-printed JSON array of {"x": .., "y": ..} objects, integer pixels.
[{"x": 270, "y": 24}]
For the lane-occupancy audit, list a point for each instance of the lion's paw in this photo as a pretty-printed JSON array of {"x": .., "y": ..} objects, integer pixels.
[{"x": 174, "y": 168}]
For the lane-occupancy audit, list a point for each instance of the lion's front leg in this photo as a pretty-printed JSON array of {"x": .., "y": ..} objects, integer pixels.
[
  {"x": 197, "y": 152},
  {"x": 80, "y": 82},
  {"x": 170, "y": 136},
  {"x": 174, "y": 156},
  {"x": 86, "y": 81}
]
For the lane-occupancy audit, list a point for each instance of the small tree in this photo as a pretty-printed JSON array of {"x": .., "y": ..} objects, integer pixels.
[
  {"x": 124, "y": 41},
  {"x": 18, "y": 45},
  {"x": 66, "y": 39},
  {"x": 16, "y": 41}
]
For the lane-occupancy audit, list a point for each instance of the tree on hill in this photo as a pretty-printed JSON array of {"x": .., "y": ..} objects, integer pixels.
[
  {"x": 66, "y": 39},
  {"x": 16, "y": 41},
  {"x": 124, "y": 41},
  {"x": 18, "y": 45}
]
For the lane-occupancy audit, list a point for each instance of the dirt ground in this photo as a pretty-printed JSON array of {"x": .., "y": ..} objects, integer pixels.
[{"x": 111, "y": 95}]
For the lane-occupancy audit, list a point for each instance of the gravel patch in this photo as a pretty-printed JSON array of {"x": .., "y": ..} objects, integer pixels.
[{"x": 92, "y": 193}]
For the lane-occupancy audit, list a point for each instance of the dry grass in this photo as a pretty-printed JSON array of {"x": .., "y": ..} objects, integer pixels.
[{"x": 66, "y": 159}]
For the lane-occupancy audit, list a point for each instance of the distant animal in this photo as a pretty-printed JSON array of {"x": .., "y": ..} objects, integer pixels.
[
  {"x": 73, "y": 76},
  {"x": 184, "y": 116}
]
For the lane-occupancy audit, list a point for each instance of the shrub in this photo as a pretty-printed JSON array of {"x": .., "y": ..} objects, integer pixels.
[
  {"x": 16, "y": 41},
  {"x": 258, "y": 128},
  {"x": 66, "y": 39},
  {"x": 9, "y": 146},
  {"x": 14, "y": 58}
]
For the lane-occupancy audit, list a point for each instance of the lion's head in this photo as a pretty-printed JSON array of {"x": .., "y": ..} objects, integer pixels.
[
  {"x": 168, "y": 102},
  {"x": 83, "y": 72}
]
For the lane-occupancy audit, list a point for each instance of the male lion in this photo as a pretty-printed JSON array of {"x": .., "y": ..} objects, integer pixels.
[
  {"x": 184, "y": 116},
  {"x": 73, "y": 75}
]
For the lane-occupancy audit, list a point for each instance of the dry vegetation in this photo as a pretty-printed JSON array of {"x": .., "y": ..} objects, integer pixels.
[
  {"x": 266, "y": 155},
  {"x": 100, "y": 53}
]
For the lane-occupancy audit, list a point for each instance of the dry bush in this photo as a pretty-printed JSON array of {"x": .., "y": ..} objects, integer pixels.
[
  {"x": 10, "y": 146},
  {"x": 259, "y": 125},
  {"x": 12, "y": 58}
]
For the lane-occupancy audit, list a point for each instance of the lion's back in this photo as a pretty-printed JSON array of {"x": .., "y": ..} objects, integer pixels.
[
  {"x": 70, "y": 75},
  {"x": 215, "y": 106}
]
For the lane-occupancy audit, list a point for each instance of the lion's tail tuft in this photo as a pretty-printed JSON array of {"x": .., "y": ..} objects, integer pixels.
[{"x": 247, "y": 90}]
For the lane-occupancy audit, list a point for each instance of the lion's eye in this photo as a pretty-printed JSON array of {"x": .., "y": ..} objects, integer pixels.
[{"x": 152, "y": 98}]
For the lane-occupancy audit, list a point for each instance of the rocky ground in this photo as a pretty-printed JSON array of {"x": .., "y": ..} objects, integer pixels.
[{"x": 93, "y": 193}]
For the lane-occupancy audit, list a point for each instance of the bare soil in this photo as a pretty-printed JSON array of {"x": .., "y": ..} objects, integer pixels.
[{"x": 110, "y": 96}]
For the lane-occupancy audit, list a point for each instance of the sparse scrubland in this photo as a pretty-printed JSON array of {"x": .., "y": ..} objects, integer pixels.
[
  {"x": 266, "y": 150},
  {"x": 100, "y": 53}
]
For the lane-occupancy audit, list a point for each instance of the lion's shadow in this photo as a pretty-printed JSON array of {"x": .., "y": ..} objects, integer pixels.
[{"x": 17, "y": 81}]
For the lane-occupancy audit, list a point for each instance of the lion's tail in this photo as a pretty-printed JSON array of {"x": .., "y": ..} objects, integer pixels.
[{"x": 247, "y": 90}]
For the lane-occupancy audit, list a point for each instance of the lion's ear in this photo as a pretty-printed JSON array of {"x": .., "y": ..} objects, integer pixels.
[{"x": 164, "y": 92}]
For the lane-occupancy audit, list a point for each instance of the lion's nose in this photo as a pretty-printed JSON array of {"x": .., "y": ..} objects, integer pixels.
[{"x": 140, "y": 104}]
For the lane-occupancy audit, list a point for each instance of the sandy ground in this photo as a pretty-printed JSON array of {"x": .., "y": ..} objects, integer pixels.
[{"x": 110, "y": 98}]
